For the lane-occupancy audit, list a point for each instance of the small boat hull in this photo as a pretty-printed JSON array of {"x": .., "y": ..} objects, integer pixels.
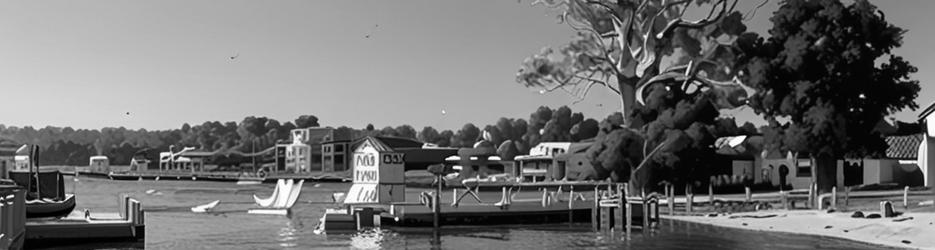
[{"x": 38, "y": 209}]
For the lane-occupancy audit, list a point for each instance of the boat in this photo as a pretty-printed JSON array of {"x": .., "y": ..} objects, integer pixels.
[
  {"x": 45, "y": 188},
  {"x": 266, "y": 202},
  {"x": 283, "y": 199},
  {"x": 206, "y": 207},
  {"x": 46, "y": 196}
]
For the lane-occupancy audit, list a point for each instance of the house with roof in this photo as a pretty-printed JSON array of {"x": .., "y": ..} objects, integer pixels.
[
  {"x": 7, "y": 157},
  {"x": 927, "y": 145},
  {"x": 743, "y": 157},
  {"x": 379, "y": 165}
]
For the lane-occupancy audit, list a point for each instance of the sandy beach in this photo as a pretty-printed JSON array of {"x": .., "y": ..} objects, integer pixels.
[{"x": 915, "y": 233}]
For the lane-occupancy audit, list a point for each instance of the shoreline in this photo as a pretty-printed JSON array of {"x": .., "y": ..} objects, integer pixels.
[{"x": 918, "y": 231}]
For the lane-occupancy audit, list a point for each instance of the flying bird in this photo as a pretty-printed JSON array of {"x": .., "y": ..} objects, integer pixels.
[
  {"x": 128, "y": 113},
  {"x": 375, "y": 26},
  {"x": 235, "y": 56},
  {"x": 444, "y": 112}
]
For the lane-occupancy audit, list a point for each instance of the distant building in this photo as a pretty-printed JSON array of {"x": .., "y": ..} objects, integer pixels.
[
  {"x": 746, "y": 159},
  {"x": 99, "y": 164},
  {"x": 191, "y": 161},
  {"x": 574, "y": 164},
  {"x": 7, "y": 156},
  {"x": 536, "y": 166},
  {"x": 303, "y": 155},
  {"x": 336, "y": 155}
]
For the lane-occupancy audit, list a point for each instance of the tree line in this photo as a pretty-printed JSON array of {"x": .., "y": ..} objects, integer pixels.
[{"x": 68, "y": 146}]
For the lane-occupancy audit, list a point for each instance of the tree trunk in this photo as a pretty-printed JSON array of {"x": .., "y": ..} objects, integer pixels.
[
  {"x": 825, "y": 172},
  {"x": 641, "y": 180},
  {"x": 627, "y": 87}
]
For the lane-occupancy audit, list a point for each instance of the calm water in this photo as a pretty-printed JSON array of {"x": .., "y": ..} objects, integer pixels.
[{"x": 171, "y": 225}]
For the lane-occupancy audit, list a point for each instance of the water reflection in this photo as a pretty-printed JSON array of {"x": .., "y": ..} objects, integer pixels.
[{"x": 287, "y": 235}]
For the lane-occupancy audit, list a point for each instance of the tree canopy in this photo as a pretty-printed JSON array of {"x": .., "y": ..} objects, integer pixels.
[
  {"x": 826, "y": 76},
  {"x": 672, "y": 75}
]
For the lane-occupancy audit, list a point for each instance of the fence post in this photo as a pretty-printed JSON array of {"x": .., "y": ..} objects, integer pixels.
[
  {"x": 784, "y": 200},
  {"x": 811, "y": 193},
  {"x": 749, "y": 194},
  {"x": 906, "y": 198},
  {"x": 595, "y": 210},
  {"x": 834, "y": 198},
  {"x": 689, "y": 197},
  {"x": 671, "y": 197},
  {"x": 711, "y": 194}
]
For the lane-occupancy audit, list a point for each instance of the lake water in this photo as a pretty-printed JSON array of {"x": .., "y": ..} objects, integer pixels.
[{"x": 171, "y": 225}]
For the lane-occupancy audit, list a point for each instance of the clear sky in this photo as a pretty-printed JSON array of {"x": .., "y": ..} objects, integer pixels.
[{"x": 85, "y": 64}]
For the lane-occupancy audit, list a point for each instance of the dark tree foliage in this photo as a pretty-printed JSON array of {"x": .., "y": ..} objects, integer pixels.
[
  {"x": 405, "y": 131},
  {"x": 306, "y": 121},
  {"x": 825, "y": 78}
]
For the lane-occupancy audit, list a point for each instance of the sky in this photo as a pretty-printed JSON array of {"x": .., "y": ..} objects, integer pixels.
[{"x": 159, "y": 64}]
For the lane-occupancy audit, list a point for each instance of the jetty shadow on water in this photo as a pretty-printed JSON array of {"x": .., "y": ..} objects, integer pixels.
[{"x": 670, "y": 235}]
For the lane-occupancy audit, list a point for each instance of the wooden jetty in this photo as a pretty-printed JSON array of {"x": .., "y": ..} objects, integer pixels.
[
  {"x": 127, "y": 226},
  {"x": 12, "y": 217},
  {"x": 379, "y": 197}
]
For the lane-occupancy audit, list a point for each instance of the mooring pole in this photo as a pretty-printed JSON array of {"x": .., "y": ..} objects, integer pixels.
[
  {"x": 438, "y": 171},
  {"x": 436, "y": 208}
]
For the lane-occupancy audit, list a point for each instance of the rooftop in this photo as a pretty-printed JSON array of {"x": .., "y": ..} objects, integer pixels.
[{"x": 903, "y": 146}]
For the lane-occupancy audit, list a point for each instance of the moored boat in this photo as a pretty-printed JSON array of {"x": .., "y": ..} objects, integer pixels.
[{"x": 45, "y": 188}]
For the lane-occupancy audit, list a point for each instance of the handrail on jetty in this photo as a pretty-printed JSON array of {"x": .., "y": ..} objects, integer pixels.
[
  {"x": 12, "y": 217},
  {"x": 508, "y": 195},
  {"x": 614, "y": 209}
]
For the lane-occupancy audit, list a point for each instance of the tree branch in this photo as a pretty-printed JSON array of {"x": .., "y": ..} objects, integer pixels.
[
  {"x": 680, "y": 23},
  {"x": 647, "y": 157}
]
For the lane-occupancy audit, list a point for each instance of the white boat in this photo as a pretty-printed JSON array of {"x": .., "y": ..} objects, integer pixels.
[
  {"x": 206, "y": 207},
  {"x": 266, "y": 202},
  {"x": 283, "y": 199}
]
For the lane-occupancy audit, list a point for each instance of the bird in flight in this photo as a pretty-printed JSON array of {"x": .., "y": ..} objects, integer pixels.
[
  {"x": 235, "y": 56},
  {"x": 375, "y": 26},
  {"x": 128, "y": 113}
]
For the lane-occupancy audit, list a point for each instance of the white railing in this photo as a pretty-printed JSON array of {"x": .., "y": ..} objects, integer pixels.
[{"x": 12, "y": 217}]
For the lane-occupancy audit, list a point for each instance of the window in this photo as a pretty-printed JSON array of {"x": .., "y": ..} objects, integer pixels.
[
  {"x": 803, "y": 168},
  {"x": 338, "y": 160},
  {"x": 338, "y": 148}
]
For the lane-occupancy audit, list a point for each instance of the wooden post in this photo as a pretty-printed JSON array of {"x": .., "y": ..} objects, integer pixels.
[
  {"x": 454, "y": 197},
  {"x": 906, "y": 198},
  {"x": 847, "y": 195},
  {"x": 834, "y": 197},
  {"x": 629, "y": 214},
  {"x": 595, "y": 210},
  {"x": 436, "y": 203},
  {"x": 621, "y": 206},
  {"x": 671, "y": 197},
  {"x": 571, "y": 200},
  {"x": 784, "y": 199},
  {"x": 689, "y": 198},
  {"x": 811, "y": 193},
  {"x": 605, "y": 219},
  {"x": 749, "y": 194},
  {"x": 645, "y": 210},
  {"x": 711, "y": 194}
]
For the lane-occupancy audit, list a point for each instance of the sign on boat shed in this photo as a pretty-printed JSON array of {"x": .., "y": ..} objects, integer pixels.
[{"x": 379, "y": 174}]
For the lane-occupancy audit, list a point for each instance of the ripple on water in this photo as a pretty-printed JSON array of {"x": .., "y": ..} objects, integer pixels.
[{"x": 175, "y": 228}]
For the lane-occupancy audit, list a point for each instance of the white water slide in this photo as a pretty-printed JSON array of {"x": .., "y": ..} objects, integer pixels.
[{"x": 284, "y": 195}]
